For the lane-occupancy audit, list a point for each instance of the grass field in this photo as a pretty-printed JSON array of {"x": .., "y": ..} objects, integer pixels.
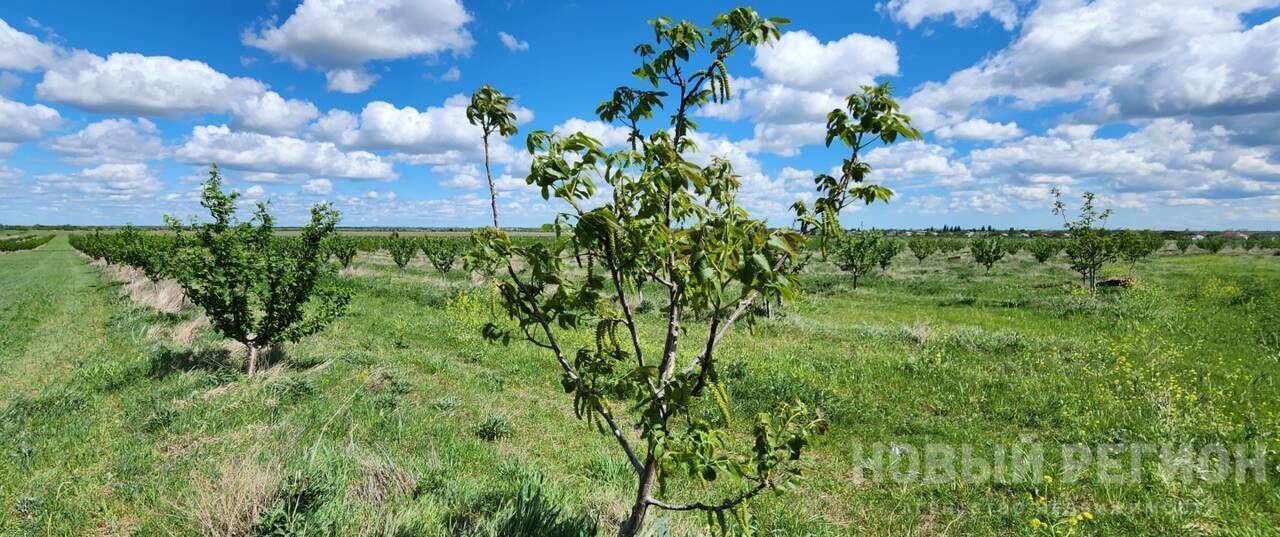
[{"x": 401, "y": 420}]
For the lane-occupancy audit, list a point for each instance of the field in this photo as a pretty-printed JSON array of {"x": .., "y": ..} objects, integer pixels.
[{"x": 118, "y": 419}]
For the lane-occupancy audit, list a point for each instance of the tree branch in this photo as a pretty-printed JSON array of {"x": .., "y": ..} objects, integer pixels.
[{"x": 699, "y": 506}]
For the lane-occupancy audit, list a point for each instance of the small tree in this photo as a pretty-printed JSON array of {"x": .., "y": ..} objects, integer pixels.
[
  {"x": 1089, "y": 246},
  {"x": 922, "y": 247},
  {"x": 1213, "y": 244},
  {"x": 1182, "y": 242},
  {"x": 1131, "y": 247},
  {"x": 676, "y": 224},
  {"x": 491, "y": 111},
  {"x": 1042, "y": 248},
  {"x": 886, "y": 250},
  {"x": 1012, "y": 246},
  {"x": 441, "y": 253},
  {"x": 858, "y": 253},
  {"x": 987, "y": 251},
  {"x": 402, "y": 250},
  {"x": 343, "y": 248},
  {"x": 256, "y": 288}
]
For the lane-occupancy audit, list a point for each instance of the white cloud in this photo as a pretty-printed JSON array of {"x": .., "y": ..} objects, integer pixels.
[
  {"x": 271, "y": 114},
  {"x": 255, "y": 192},
  {"x": 606, "y": 134},
  {"x": 110, "y": 182},
  {"x": 436, "y": 135},
  {"x": 319, "y": 187},
  {"x": 1256, "y": 163},
  {"x": 22, "y": 122},
  {"x": 161, "y": 86},
  {"x": 513, "y": 44},
  {"x": 965, "y": 12},
  {"x": 462, "y": 181},
  {"x": 23, "y": 51},
  {"x": 1231, "y": 73},
  {"x": 800, "y": 61},
  {"x": 980, "y": 129},
  {"x": 10, "y": 176},
  {"x": 927, "y": 204},
  {"x": 111, "y": 141},
  {"x": 979, "y": 202},
  {"x": 144, "y": 85},
  {"x": 914, "y": 160},
  {"x": 1168, "y": 158},
  {"x": 279, "y": 154},
  {"x": 803, "y": 80},
  {"x": 1069, "y": 50},
  {"x": 341, "y": 36},
  {"x": 348, "y": 80},
  {"x": 451, "y": 75}
]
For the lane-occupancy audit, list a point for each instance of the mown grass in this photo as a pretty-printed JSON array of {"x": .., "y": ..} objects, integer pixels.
[{"x": 400, "y": 420}]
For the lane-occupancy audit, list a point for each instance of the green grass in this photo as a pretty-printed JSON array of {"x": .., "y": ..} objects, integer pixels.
[{"x": 401, "y": 419}]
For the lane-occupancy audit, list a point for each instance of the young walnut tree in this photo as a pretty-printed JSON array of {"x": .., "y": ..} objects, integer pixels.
[
  {"x": 677, "y": 225},
  {"x": 1089, "y": 246},
  {"x": 490, "y": 110},
  {"x": 256, "y": 288}
]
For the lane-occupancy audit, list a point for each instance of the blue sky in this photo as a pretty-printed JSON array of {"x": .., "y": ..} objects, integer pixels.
[{"x": 110, "y": 113}]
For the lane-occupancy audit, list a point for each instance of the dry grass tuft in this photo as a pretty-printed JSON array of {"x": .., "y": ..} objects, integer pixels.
[
  {"x": 186, "y": 332},
  {"x": 356, "y": 272},
  {"x": 165, "y": 296},
  {"x": 231, "y": 504},
  {"x": 920, "y": 332},
  {"x": 381, "y": 480}
]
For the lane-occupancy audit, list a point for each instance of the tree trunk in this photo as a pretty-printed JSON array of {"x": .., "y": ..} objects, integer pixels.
[
  {"x": 493, "y": 194},
  {"x": 253, "y": 357},
  {"x": 635, "y": 521}
]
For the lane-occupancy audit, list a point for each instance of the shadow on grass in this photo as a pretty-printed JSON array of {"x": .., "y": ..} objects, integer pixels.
[{"x": 173, "y": 360}]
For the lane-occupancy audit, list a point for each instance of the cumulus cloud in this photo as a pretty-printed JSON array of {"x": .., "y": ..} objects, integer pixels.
[
  {"x": 1069, "y": 50},
  {"x": 111, "y": 182},
  {"x": 513, "y": 44},
  {"x": 110, "y": 141},
  {"x": 341, "y": 37},
  {"x": 318, "y": 187},
  {"x": 803, "y": 79},
  {"x": 23, "y": 51},
  {"x": 1165, "y": 157},
  {"x": 22, "y": 122},
  {"x": 165, "y": 87},
  {"x": 843, "y": 65},
  {"x": 916, "y": 160},
  {"x": 608, "y": 135},
  {"x": 435, "y": 135},
  {"x": 279, "y": 154},
  {"x": 979, "y": 129},
  {"x": 964, "y": 12}
]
